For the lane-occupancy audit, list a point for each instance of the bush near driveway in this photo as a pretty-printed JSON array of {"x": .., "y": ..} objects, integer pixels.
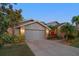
[
  {"x": 7, "y": 39},
  {"x": 52, "y": 34}
]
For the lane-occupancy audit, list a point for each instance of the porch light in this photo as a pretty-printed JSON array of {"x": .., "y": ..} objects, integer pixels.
[
  {"x": 47, "y": 31},
  {"x": 22, "y": 30}
]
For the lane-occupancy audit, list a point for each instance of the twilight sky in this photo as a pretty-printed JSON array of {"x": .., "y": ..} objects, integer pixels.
[{"x": 47, "y": 12}]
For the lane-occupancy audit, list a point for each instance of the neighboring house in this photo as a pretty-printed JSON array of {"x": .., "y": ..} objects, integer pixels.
[
  {"x": 32, "y": 30},
  {"x": 56, "y": 31},
  {"x": 53, "y": 23},
  {"x": 62, "y": 24},
  {"x": 59, "y": 28}
]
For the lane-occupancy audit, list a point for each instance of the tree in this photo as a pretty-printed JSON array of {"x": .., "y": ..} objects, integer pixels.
[
  {"x": 75, "y": 20},
  {"x": 4, "y": 22},
  {"x": 14, "y": 15},
  {"x": 69, "y": 31},
  {"x": 15, "y": 18},
  {"x": 9, "y": 17}
]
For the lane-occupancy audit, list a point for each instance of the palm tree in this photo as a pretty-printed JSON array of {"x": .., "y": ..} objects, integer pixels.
[
  {"x": 69, "y": 31},
  {"x": 75, "y": 20}
]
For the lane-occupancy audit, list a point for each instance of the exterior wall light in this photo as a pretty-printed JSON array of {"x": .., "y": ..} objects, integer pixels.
[
  {"x": 47, "y": 31},
  {"x": 22, "y": 30}
]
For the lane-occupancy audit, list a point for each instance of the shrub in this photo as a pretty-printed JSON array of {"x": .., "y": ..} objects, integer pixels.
[
  {"x": 49, "y": 37},
  {"x": 52, "y": 34},
  {"x": 19, "y": 39},
  {"x": 59, "y": 37},
  {"x": 7, "y": 38}
]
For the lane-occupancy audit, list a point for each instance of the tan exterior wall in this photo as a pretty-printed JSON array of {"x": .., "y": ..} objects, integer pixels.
[
  {"x": 35, "y": 26},
  {"x": 32, "y": 27}
]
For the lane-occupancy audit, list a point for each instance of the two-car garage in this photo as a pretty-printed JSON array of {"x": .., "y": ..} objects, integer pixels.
[{"x": 34, "y": 30}]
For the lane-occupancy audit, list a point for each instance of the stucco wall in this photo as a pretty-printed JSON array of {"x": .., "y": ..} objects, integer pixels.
[{"x": 35, "y": 26}]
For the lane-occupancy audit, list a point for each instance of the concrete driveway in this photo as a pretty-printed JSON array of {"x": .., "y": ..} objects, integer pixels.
[{"x": 51, "y": 48}]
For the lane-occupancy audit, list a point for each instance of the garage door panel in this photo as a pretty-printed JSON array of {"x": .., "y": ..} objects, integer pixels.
[
  {"x": 35, "y": 35},
  {"x": 29, "y": 35}
]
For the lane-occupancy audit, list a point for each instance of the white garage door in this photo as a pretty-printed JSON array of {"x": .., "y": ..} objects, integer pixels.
[{"x": 34, "y": 35}]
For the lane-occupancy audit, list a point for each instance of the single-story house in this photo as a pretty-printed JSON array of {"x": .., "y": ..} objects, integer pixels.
[{"x": 32, "y": 30}]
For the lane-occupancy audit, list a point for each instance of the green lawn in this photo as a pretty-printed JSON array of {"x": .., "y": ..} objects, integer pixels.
[{"x": 16, "y": 50}]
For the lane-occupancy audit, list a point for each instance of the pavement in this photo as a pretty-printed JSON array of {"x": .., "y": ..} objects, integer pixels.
[{"x": 51, "y": 48}]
